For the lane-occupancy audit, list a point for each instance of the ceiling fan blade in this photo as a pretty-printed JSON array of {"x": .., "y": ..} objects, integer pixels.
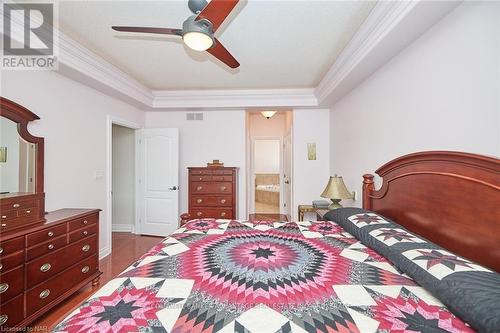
[
  {"x": 220, "y": 52},
  {"x": 217, "y": 11},
  {"x": 150, "y": 30}
]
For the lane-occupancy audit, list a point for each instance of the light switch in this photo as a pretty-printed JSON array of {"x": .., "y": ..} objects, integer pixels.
[{"x": 99, "y": 174}]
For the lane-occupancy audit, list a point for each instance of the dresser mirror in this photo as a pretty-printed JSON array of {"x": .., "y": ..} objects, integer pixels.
[
  {"x": 17, "y": 160},
  {"x": 21, "y": 167}
]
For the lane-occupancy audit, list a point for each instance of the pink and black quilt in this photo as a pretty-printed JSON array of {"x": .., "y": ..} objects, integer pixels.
[{"x": 239, "y": 276}]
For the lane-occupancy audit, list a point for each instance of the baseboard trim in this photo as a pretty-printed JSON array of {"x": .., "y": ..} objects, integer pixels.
[
  {"x": 122, "y": 228},
  {"x": 104, "y": 252}
]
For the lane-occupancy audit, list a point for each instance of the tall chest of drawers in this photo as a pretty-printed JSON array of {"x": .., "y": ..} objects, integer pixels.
[
  {"x": 213, "y": 192},
  {"x": 42, "y": 265}
]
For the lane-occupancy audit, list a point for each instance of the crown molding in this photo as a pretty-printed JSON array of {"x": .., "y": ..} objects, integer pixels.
[
  {"x": 390, "y": 27},
  {"x": 251, "y": 98},
  {"x": 381, "y": 20},
  {"x": 75, "y": 58}
]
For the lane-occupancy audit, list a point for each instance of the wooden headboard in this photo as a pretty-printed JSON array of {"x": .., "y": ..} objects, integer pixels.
[{"x": 450, "y": 198}]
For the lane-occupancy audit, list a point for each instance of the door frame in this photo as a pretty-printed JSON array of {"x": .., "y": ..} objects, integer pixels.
[
  {"x": 110, "y": 121},
  {"x": 251, "y": 183}
]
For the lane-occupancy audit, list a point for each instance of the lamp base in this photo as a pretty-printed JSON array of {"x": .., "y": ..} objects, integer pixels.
[{"x": 335, "y": 204}]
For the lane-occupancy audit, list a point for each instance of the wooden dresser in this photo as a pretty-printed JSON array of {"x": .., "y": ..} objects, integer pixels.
[
  {"x": 21, "y": 209},
  {"x": 213, "y": 192},
  {"x": 43, "y": 264}
]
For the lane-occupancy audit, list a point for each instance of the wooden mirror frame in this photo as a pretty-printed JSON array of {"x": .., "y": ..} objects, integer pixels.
[{"x": 22, "y": 116}]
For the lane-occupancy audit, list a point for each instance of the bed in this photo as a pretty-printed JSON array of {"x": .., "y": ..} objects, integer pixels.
[
  {"x": 267, "y": 189},
  {"x": 343, "y": 275}
]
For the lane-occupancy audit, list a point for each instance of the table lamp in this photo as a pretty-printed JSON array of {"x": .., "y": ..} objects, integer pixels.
[{"x": 336, "y": 190}]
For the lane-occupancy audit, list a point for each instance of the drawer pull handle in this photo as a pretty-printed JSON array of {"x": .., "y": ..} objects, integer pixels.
[
  {"x": 45, "y": 294},
  {"x": 85, "y": 221},
  {"x": 86, "y": 248},
  {"x": 28, "y": 211},
  {"x": 223, "y": 201},
  {"x": 3, "y": 319},
  {"x": 199, "y": 214},
  {"x": 1, "y": 250},
  {"x": 16, "y": 205},
  {"x": 4, "y": 216},
  {"x": 223, "y": 214},
  {"x": 223, "y": 188},
  {"x": 45, "y": 267},
  {"x": 1, "y": 266},
  {"x": 199, "y": 200},
  {"x": 3, "y": 287},
  {"x": 50, "y": 234},
  {"x": 4, "y": 225},
  {"x": 199, "y": 188},
  {"x": 85, "y": 232},
  {"x": 85, "y": 269},
  {"x": 50, "y": 246},
  {"x": 201, "y": 178}
]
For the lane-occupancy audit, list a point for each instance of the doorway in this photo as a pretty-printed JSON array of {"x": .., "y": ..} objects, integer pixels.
[
  {"x": 123, "y": 179},
  {"x": 269, "y": 163},
  {"x": 266, "y": 174}
]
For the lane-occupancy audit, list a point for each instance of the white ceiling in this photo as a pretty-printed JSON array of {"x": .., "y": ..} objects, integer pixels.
[{"x": 279, "y": 44}]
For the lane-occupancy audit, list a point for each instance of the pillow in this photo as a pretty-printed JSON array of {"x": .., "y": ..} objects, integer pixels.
[{"x": 469, "y": 290}]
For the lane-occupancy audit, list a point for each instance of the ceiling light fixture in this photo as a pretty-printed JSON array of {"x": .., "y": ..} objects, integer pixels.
[
  {"x": 268, "y": 114},
  {"x": 197, "y": 34}
]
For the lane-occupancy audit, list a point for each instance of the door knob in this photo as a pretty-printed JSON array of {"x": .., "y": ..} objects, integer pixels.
[
  {"x": 173, "y": 188},
  {"x": 287, "y": 182}
]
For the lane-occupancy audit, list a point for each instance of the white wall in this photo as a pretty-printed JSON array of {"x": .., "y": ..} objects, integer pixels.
[
  {"x": 267, "y": 156},
  {"x": 9, "y": 171},
  {"x": 221, "y": 135},
  {"x": 310, "y": 176},
  {"x": 73, "y": 122},
  {"x": 441, "y": 93},
  {"x": 123, "y": 186}
]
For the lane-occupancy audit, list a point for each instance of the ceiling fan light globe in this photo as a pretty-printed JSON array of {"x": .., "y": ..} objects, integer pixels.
[{"x": 198, "y": 41}]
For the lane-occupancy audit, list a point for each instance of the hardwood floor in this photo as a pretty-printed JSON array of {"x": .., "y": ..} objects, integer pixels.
[
  {"x": 126, "y": 249},
  {"x": 264, "y": 208}
]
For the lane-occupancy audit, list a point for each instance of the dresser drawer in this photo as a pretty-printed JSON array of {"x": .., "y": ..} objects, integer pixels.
[
  {"x": 222, "y": 172},
  {"x": 82, "y": 233},
  {"x": 200, "y": 172},
  {"x": 11, "y": 246},
  {"x": 46, "y": 234},
  {"x": 83, "y": 222},
  {"x": 21, "y": 204},
  {"x": 11, "y": 284},
  {"x": 31, "y": 211},
  {"x": 11, "y": 313},
  {"x": 12, "y": 260},
  {"x": 17, "y": 222},
  {"x": 49, "y": 290},
  {"x": 7, "y": 216},
  {"x": 222, "y": 187},
  {"x": 219, "y": 213},
  {"x": 47, "y": 247},
  {"x": 205, "y": 200},
  {"x": 47, "y": 266}
]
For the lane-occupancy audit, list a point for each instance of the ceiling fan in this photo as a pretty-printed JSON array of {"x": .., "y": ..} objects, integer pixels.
[{"x": 198, "y": 30}]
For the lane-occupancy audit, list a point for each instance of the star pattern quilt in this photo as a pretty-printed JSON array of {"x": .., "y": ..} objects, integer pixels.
[{"x": 239, "y": 276}]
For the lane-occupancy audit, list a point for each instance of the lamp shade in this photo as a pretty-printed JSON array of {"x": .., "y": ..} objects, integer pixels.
[{"x": 336, "y": 189}]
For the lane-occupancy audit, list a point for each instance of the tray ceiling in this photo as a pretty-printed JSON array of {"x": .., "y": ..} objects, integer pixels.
[{"x": 280, "y": 44}]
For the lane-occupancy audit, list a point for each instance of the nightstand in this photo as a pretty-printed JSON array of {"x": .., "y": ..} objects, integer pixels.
[{"x": 320, "y": 212}]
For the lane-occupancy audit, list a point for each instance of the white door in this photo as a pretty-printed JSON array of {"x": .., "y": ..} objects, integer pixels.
[
  {"x": 287, "y": 174},
  {"x": 159, "y": 181}
]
